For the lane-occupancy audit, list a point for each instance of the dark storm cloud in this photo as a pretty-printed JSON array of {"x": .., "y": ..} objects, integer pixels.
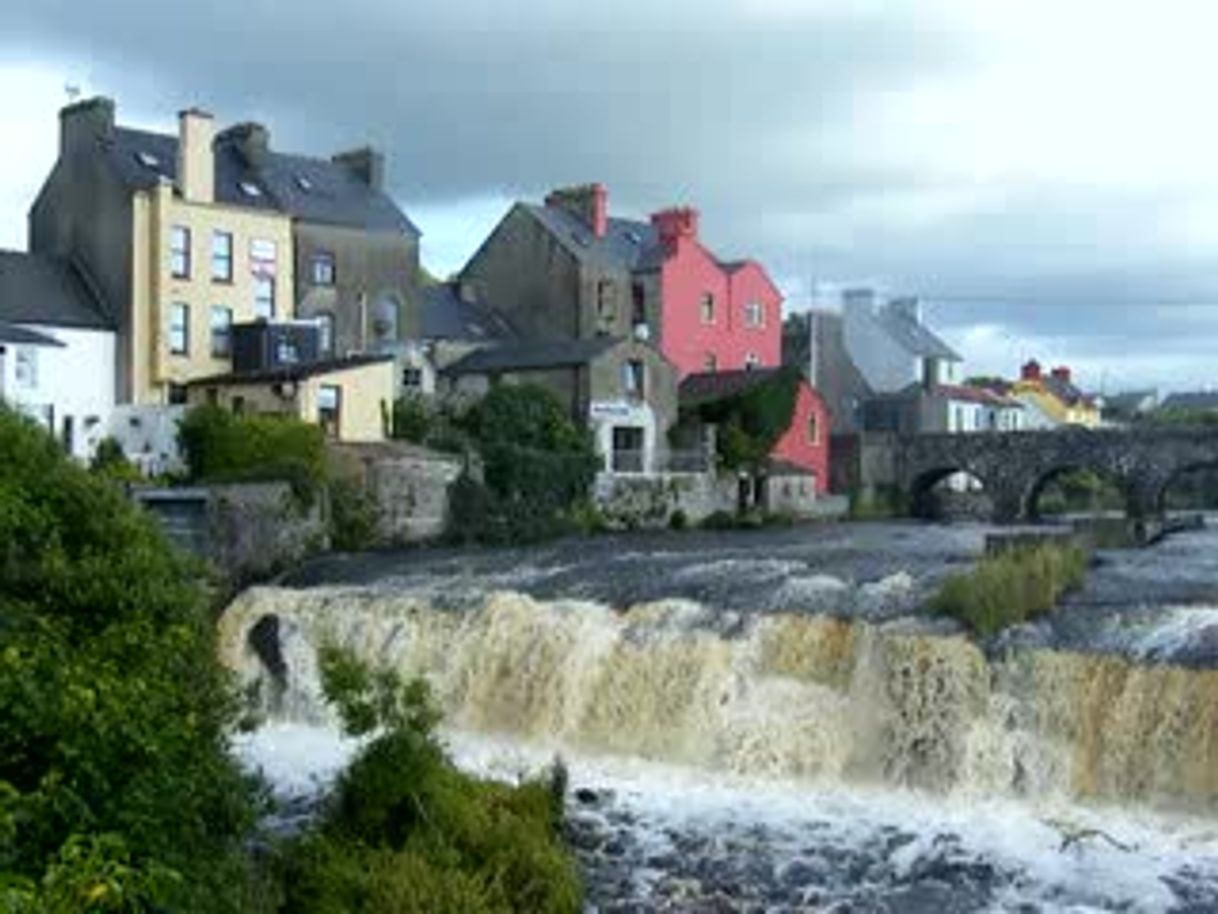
[{"x": 761, "y": 113}]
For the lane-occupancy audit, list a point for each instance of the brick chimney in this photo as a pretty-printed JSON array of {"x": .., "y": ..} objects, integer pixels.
[
  {"x": 589, "y": 203},
  {"x": 196, "y": 160},
  {"x": 1062, "y": 373},
  {"x": 674, "y": 224},
  {"x": 1030, "y": 371},
  {"x": 251, "y": 140},
  {"x": 366, "y": 164},
  {"x": 83, "y": 123}
]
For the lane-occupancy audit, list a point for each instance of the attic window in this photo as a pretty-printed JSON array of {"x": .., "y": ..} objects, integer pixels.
[
  {"x": 304, "y": 183},
  {"x": 147, "y": 159},
  {"x": 634, "y": 237},
  {"x": 250, "y": 189}
]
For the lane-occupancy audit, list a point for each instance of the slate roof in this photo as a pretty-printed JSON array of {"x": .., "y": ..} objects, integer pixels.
[
  {"x": 335, "y": 196},
  {"x": 533, "y": 355},
  {"x": 297, "y": 372},
  {"x": 446, "y": 316},
  {"x": 914, "y": 336},
  {"x": 1201, "y": 399},
  {"x": 1065, "y": 391},
  {"x": 970, "y": 394},
  {"x": 628, "y": 244},
  {"x": 36, "y": 289},
  {"x": 1131, "y": 401},
  {"x": 708, "y": 386},
  {"x": 11, "y": 333}
]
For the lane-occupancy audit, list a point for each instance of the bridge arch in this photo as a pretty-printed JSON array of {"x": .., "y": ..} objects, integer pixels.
[
  {"x": 1110, "y": 490},
  {"x": 924, "y": 498},
  {"x": 1172, "y": 481}
]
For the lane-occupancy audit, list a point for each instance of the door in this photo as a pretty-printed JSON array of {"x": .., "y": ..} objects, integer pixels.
[{"x": 627, "y": 449}]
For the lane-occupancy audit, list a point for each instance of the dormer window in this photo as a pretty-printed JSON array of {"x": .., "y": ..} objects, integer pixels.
[
  {"x": 250, "y": 189},
  {"x": 147, "y": 159},
  {"x": 304, "y": 183}
]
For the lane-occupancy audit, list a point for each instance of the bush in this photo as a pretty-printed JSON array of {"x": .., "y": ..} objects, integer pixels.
[
  {"x": 222, "y": 447},
  {"x": 719, "y": 520},
  {"x": 405, "y": 831},
  {"x": 354, "y": 516},
  {"x": 110, "y": 461},
  {"x": 1011, "y": 588},
  {"x": 411, "y": 419},
  {"x": 678, "y": 520},
  {"x": 114, "y": 772},
  {"x": 537, "y": 466}
]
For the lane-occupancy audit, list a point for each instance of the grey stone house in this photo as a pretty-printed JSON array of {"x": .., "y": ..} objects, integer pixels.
[
  {"x": 623, "y": 389},
  {"x": 355, "y": 254},
  {"x": 813, "y": 342},
  {"x": 565, "y": 269}
]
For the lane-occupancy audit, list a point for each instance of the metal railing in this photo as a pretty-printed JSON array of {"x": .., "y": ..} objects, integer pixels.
[{"x": 634, "y": 461}]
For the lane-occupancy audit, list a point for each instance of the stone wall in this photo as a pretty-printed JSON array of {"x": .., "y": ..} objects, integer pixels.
[
  {"x": 650, "y": 501},
  {"x": 248, "y": 531},
  {"x": 409, "y": 483}
]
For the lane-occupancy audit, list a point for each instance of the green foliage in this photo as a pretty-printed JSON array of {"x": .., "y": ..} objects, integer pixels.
[
  {"x": 113, "y": 760},
  {"x": 678, "y": 520},
  {"x": 1011, "y": 588},
  {"x": 751, "y": 422},
  {"x": 1079, "y": 490},
  {"x": 884, "y": 503},
  {"x": 110, "y": 461},
  {"x": 408, "y": 832},
  {"x": 1191, "y": 417},
  {"x": 411, "y": 419},
  {"x": 354, "y": 515},
  {"x": 537, "y": 465},
  {"x": 222, "y": 447}
]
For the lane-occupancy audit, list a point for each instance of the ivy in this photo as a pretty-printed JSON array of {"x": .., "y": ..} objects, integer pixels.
[{"x": 751, "y": 421}]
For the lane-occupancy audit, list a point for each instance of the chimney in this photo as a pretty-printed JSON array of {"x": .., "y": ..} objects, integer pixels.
[
  {"x": 589, "y": 203},
  {"x": 676, "y": 223},
  {"x": 252, "y": 141},
  {"x": 1061, "y": 373},
  {"x": 861, "y": 299},
  {"x": 196, "y": 159},
  {"x": 83, "y": 124},
  {"x": 1030, "y": 371},
  {"x": 909, "y": 307},
  {"x": 366, "y": 164}
]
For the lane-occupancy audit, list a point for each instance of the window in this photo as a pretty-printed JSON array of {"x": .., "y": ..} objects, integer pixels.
[
  {"x": 222, "y": 256},
  {"x": 710, "y": 364},
  {"x": 638, "y": 304},
  {"x": 177, "y": 394},
  {"x": 627, "y": 449},
  {"x": 329, "y": 408},
  {"x": 27, "y": 366},
  {"x": 69, "y": 434},
  {"x": 633, "y": 375},
  {"x": 179, "y": 328},
  {"x": 606, "y": 300},
  {"x": 412, "y": 378},
  {"x": 751, "y": 361},
  {"x": 325, "y": 333},
  {"x": 754, "y": 314},
  {"x": 221, "y": 332},
  {"x": 708, "y": 307},
  {"x": 250, "y": 189},
  {"x": 264, "y": 297},
  {"x": 179, "y": 252},
  {"x": 813, "y": 429},
  {"x": 286, "y": 352},
  {"x": 323, "y": 268},
  {"x": 262, "y": 268}
]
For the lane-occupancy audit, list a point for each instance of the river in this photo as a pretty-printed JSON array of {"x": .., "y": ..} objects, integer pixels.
[{"x": 762, "y": 721}]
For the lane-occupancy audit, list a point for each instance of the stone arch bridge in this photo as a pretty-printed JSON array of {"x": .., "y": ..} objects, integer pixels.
[{"x": 1014, "y": 467}]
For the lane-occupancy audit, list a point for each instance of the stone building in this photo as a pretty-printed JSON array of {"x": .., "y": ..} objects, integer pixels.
[
  {"x": 624, "y": 390},
  {"x": 566, "y": 269},
  {"x": 184, "y": 236}
]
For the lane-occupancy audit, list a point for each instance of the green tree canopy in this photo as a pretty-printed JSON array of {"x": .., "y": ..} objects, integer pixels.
[{"x": 115, "y": 782}]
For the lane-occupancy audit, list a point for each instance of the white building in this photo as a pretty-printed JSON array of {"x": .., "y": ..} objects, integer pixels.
[
  {"x": 891, "y": 346},
  {"x": 57, "y": 350}
]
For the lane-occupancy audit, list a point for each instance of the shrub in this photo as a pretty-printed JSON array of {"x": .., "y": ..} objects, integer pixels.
[
  {"x": 678, "y": 520},
  {"x": 110, "y": 461},
  {"x": 405, "y": 831},
  {"x": 411, "y": 419},
  {"x": 1011, "y": 588},
  {"x": 222, "y": 447},
  {"x": 115, "y": 710},
  {"x": 719, "y": 520},
  {"x": 354, "y": 515}
]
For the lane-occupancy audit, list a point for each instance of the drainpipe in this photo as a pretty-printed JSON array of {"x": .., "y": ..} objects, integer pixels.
[{"x": 363, "y": 322}]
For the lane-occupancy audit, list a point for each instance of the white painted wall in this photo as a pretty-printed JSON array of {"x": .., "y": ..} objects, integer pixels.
[
  {"x": 73, "y": 384},
  {"x": 149, "y": 436},
  {"x": 605, "y": 415}
]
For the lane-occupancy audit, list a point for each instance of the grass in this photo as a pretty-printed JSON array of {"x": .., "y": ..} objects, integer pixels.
[{"x": 1011, "y": 588}]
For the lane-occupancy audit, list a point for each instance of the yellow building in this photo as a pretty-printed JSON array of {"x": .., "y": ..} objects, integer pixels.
[
  {"x": 198, "y": 267},
  {"x": 350, "y": 398},
  {"x": 1055, "y": 397}
]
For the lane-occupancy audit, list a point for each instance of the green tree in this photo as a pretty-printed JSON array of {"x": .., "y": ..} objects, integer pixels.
[{"x": 113, "y": 755}]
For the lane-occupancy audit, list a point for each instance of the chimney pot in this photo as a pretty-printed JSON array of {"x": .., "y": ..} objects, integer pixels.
[
  {"x": 676, "y": 223},
  {"x": 1031, "y": 371},
  {"x": 1062, "y": 373}
]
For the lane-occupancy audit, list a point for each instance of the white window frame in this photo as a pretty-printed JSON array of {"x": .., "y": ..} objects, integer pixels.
[{"x": 754, "y": 314}]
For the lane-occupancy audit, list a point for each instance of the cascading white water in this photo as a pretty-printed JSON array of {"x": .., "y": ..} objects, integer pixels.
[{"x": 778, "y": 696}]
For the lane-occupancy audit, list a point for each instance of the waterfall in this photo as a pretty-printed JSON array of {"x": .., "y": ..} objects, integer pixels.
[{"x": 776, "y": 695}]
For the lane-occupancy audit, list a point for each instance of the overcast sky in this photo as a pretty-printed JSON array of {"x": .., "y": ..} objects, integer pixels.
[{"x": 1043, "y": 172}]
